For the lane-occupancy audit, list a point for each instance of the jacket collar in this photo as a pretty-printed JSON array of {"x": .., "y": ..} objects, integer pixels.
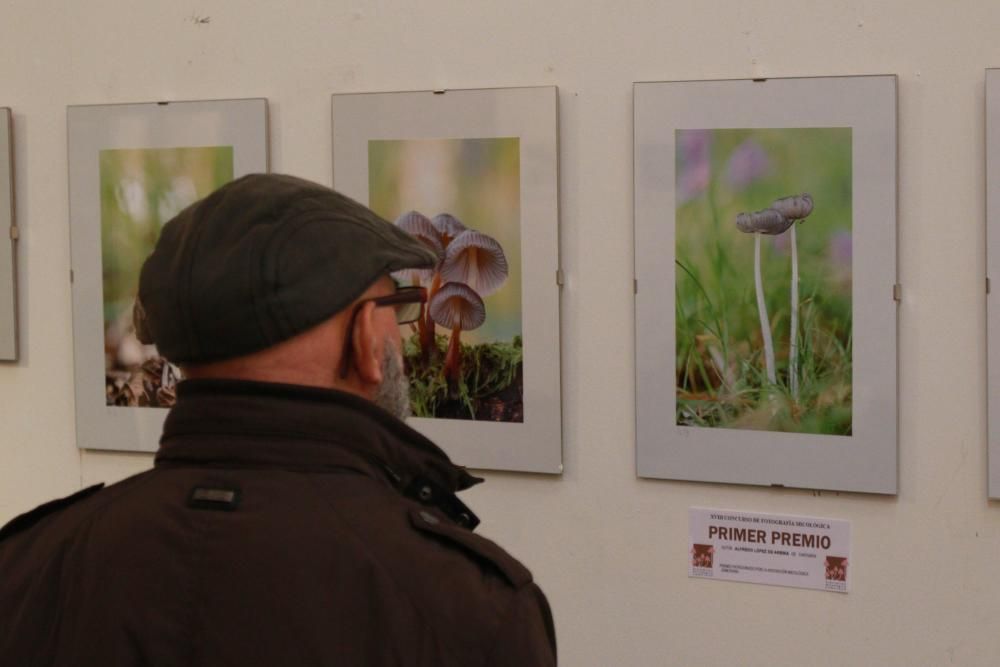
[{"x": 221, "y": 422}]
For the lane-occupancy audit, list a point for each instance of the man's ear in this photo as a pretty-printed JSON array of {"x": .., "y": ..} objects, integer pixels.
[{"x": 367, "y": 348}]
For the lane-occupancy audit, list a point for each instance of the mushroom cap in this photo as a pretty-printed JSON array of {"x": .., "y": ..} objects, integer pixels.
[
  {"x": 795, "y": 207},
  {"x": 418, "y": 225},
  {"x": 477, "y": 260},
  {"x": 768, "y": 221},
  {"x": 458, "y": 305},
  {"x": 448, "y": 226}
]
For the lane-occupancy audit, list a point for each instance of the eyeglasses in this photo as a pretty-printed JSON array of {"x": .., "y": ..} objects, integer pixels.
[{"x": 408, "y": 302}]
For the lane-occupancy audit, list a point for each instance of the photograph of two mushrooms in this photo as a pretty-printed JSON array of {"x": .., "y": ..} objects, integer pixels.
[
  {"x": 461, "y": 198},
  {"x": 763, "y": 279}
]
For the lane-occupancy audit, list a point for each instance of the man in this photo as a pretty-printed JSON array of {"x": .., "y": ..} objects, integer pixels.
[{"x": 291, "y": 517}]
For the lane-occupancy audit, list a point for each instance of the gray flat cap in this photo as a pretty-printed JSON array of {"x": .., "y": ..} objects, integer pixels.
[{"x": 260, "y": 260}]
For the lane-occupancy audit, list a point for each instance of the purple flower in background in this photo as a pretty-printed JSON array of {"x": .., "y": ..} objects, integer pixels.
[
  {"x": 839, "y": 252},
  {"x": 840, "y": 249},
  {"x": 747, "y": 163},
  {"x": 694, "y": 170},
  {"x": 693, "y": 181},
  {"x": 693, "y": 145}
]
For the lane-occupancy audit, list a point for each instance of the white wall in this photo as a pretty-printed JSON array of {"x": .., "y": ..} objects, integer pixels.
[{"x": 609, "y": 549}]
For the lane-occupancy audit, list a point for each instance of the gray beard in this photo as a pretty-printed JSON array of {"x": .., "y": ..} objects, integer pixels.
[{"x": 393, "y": 394}]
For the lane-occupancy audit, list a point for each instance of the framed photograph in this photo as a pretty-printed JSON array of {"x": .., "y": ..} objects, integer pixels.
[
  {"x": 8, "y": 242},
  {"x": 132, "y": 167},
  {"x": 993, "y": 273},
  {"x": 473, "y": 174},
  {"x": 766, "y": 292}
]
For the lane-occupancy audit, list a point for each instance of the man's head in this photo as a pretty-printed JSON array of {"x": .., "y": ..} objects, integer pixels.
[{"x": 279, "y": 279}]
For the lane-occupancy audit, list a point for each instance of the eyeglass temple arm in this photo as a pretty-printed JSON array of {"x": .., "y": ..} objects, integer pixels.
[{"x": 345, "y": 355}]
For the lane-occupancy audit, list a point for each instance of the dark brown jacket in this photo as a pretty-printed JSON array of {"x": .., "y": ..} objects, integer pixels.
[{"x": 280, "y": 526}]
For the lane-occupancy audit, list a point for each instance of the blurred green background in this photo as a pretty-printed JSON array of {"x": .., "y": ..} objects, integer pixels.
[
  {"x": 720, "y": 368},
  {"x": 141, "y": 189},
  {"x": 475, "y": 180}
]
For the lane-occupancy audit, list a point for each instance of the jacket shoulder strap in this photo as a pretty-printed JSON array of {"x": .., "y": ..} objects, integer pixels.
[{"x": 475, "y": 546}]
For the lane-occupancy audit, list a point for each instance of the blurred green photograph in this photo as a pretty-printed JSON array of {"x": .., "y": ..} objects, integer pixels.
[
  {"x": 462, "y": 198},
  {"x": 141, "y": 189},
  {"x": 763, "y": 279}
]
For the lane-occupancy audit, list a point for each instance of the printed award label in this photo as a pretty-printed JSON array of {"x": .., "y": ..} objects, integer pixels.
[{"x": 775, "y": 549}]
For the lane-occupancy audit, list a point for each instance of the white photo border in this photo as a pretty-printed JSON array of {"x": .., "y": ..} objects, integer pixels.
[
  {"x": 865, "y": 461},
  {"x": 8, "y": 245},
  {"x": 240, "y": 123},
  {"x": 530, "y": 113}
]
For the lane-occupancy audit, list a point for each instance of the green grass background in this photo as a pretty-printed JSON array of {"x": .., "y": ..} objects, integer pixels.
[
  {"x": 720, "y": 362},
  {"x": 141, "y": 189}
]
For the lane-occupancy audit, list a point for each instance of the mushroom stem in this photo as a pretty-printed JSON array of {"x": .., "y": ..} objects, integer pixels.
[
  {"x": 421, "y": 323},
  {"x": 453, "y": 359},
  {"x": 421, "y": 329},
  {"x": 793, "y": 347},
  {"x": 765, "y": 326},
  {"x": 427, "y": 343}
]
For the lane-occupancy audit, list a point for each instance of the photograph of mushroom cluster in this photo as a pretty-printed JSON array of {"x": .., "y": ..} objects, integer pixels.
[
  {"x": 141, "y": 189},
  {"x": 461, "y": 197},
  {"x": 763, "y": 279}
]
